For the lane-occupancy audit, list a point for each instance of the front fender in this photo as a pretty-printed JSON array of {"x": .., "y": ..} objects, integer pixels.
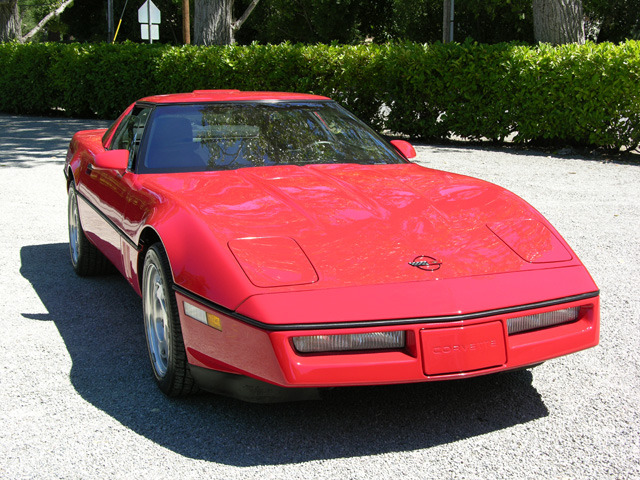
[{"x": 200, "y": 262}]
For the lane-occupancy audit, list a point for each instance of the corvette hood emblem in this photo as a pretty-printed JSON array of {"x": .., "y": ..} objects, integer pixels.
[{"x": 427, "y": 263}]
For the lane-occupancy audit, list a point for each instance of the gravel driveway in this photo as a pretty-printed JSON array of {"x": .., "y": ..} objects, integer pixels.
[{"x": 77, "y": 399}]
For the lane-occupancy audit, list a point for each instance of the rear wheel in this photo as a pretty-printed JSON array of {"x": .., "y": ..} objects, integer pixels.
[
  {"x": 85, "y": 257},
  {"x": 162, "y": 326}
]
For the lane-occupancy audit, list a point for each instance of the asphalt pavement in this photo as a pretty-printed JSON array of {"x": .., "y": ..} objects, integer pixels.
[{"x": 77, "y": 399}]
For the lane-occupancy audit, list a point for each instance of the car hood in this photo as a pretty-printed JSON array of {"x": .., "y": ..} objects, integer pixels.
[{"x": 325, "y": 226}]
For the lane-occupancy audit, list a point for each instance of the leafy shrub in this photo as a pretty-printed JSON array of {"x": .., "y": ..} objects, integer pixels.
[
  {"x": 586, "y": 94},
  {"x": 25, "y": 77},
  {"x": 582, "y": 94}
]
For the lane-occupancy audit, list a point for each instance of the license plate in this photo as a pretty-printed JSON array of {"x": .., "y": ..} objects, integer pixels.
[{"x": 462, "y": 349}]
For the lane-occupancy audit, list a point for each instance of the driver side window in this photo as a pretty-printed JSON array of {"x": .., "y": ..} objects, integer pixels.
[{"x": 129, "y": 133}]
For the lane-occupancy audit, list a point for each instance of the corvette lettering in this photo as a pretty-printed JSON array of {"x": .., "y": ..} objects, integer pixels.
[{"x": 462, "y": 348}]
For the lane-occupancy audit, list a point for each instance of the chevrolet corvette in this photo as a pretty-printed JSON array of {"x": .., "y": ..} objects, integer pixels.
[{"x": 280, "y": 245}]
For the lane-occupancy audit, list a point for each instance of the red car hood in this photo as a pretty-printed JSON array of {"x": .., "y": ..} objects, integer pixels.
[{"x": 325, "y": 226}]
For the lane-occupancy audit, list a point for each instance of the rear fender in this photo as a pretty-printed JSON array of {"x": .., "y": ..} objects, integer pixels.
[
  {"x": 83, "y": 148},
  {"x": 73, "y": 161}
]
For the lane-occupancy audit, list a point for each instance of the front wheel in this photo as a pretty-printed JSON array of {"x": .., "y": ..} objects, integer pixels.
[{"x": 162, "y": 326}]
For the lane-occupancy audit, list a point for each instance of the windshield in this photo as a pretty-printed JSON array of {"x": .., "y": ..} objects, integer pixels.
[{"x": 229, "y": 136}]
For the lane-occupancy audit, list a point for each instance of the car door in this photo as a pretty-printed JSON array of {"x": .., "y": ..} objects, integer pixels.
[{"x": 108, "y": 190}]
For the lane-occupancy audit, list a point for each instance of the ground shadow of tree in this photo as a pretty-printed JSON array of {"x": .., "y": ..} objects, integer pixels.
[
  {"x": 32, "y": 141},
  {"x": 99, "y": 320}
]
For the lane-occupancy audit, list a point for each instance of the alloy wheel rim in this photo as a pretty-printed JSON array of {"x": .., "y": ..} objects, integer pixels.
[
  {"x": 156, "y": 320},
  {"x": 74, "y": 223}
]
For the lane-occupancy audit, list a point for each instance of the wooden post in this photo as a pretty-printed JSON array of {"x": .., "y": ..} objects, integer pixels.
[{"x": 186, "y": 23}]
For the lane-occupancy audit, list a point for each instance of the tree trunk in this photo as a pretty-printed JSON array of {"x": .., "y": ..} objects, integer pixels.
[
  {"x": 447, "y": 23},
  {"x": 213, "y": 22},
  {"x": 558, "y": 21},
  {"x": 10, "y": 24}
]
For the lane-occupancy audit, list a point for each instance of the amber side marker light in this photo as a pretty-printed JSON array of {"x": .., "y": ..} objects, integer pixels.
[
  {"x": 202, "y": 316},
  {"x": 350, "y": 342},
  {"x": 542, "y": 320}
]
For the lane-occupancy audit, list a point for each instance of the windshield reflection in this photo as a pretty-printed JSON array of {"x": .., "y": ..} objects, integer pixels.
[{"x": 228, "y": 136}]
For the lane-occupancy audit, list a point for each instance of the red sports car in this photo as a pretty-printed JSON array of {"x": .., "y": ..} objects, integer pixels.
[{"x": 278, "y": 242}]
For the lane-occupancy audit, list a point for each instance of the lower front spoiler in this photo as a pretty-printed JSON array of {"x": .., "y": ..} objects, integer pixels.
[{"x": 248, "y": 389}]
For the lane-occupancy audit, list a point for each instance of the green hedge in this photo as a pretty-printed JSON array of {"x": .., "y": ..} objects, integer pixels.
[{"x": 581, "y": 94}]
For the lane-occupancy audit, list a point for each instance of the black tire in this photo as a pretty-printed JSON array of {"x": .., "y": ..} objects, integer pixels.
[
  {"x": 86, "y": 259},
  {"x": 162, "y": 326}
]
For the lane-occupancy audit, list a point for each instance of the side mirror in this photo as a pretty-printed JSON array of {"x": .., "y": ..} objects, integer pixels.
[
  {"x": 405, "y": 148},
  {"x": 113, "y": 159}
]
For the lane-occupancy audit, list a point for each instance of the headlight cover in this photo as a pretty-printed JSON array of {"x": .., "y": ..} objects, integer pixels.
[
  {"x": 350, "y": 342},
  {"x": 542, "y": 320}
]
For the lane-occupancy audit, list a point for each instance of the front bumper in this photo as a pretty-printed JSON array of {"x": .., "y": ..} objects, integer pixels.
[{"x": 435, "y": 350}]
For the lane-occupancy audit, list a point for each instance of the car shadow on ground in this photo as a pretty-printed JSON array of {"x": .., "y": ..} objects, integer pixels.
[{"x": 99, "y": 320}]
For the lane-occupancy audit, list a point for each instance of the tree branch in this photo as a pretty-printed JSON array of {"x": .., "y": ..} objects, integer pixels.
[
  {"x": 44, "y": 21},
  {"x": 238, "y": 23}
]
